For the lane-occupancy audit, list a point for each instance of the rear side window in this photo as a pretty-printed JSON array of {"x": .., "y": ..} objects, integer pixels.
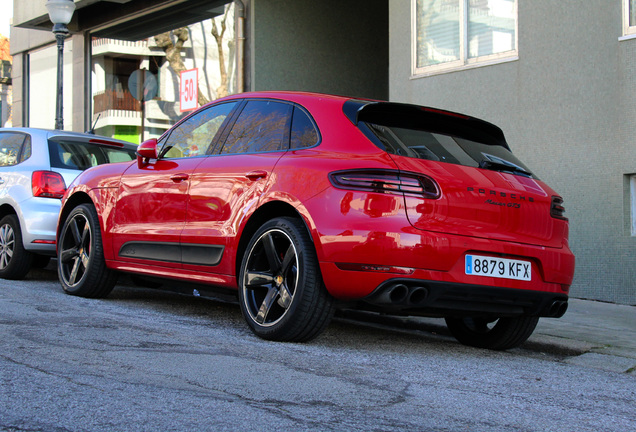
[
  {"x": 82, "y": 155},
  {"x": 262, "y": 126},
  {"x": 14, "y": 148},
  {"x": 303, "y": 131}
]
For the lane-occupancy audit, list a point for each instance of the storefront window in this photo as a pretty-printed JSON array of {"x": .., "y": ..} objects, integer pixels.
[
  {"x": 136, "y": 85},
  {"x": 43, "y": 86}
]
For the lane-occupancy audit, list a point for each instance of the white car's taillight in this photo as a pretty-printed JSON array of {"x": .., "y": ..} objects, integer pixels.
[{"x": 47, "y": 184}]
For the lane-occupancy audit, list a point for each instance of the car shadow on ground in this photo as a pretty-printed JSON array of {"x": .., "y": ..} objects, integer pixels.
[{"x": 373, "y": 330}]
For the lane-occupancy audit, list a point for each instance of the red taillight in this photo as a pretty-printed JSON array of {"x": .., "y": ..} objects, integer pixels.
[
  {"x": 556, "y": 209},
  {"x": 386, "y": 181},
  {"x": 47, "y": 184}
]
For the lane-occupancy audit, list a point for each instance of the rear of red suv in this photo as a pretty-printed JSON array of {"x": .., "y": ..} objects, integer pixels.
[{"x": 458, "y": 227}]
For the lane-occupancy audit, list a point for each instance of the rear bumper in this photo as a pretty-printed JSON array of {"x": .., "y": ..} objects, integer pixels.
[{"x": 433, "y": 298}]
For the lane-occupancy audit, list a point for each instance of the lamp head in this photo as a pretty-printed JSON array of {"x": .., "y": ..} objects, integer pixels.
[{"x": 60, "y": 11}]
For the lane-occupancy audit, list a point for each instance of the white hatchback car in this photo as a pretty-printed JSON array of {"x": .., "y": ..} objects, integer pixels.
[{"x": 36, "y": 165}]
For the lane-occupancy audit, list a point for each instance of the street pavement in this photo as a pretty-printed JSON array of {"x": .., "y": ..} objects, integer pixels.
[{"x": 595, "y": 334}]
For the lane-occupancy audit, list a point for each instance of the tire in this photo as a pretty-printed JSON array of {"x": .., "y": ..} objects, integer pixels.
[
  {"x": 15, "y": 261},
  {"x": 495, "y": 334},
  {"x": 281, "y": 291},
  {"x": 81, "y": 266}
]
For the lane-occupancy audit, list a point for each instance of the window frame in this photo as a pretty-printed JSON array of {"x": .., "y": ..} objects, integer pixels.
[
  {"x": 164, "y": 141},
  {"x": 464, "y": 62},
  {"x": 285, "y": 142},
  {"x": 629, "y": 31},
  {"x": 632, "y": 201}
]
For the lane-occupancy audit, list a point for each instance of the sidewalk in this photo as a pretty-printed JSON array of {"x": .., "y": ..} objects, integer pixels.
[{"x": 593, "y": 334}]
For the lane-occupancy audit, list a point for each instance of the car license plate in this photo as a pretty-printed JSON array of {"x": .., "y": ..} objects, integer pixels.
[{"x": 477, "y": 265}]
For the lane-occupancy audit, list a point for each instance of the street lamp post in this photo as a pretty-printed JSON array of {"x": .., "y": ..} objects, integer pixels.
[{"x": 60, "y": 13}]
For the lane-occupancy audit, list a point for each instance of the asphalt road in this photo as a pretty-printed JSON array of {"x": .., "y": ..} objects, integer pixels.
[{"x": 144, "y": 360}]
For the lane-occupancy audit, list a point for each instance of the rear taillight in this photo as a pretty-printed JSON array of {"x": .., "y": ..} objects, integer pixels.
[
  {"x": 47, "y": 184},
  {"x": 556, "y": 209},
  {"x": 386, "y": 181}
]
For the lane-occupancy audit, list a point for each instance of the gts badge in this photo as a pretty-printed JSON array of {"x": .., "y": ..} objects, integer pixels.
[{"x": 502, "y": 204}]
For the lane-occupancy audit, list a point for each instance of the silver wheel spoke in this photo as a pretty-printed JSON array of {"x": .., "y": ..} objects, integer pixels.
[
  {"x": 254, "y": 278},
  {"x": 270, "y": 253},
  {"x": 266, "y": 305},
  {"x": 68, "y": 254},
  {"x": 285, "y": 297},
  {"x": 73, "y": 276},
  {"x": 75, "y": 231},
  {"x": 290, "y": 256},
  {"x": 84, "y": 257}
]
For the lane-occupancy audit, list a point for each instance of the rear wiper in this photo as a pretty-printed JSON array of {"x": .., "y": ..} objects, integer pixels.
[{"x": 498, "y": 166}]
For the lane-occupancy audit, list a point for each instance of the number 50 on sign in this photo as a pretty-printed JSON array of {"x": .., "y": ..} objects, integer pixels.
[{"x": 189, "y": 89}]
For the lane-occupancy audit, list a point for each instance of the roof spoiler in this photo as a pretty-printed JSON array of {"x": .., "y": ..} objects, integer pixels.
[{"x": 424, "y": 118}]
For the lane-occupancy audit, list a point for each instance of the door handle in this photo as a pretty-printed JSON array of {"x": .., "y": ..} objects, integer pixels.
[
  {"x": 177, "y": 178},
  {"x": 255, "y": 175}
]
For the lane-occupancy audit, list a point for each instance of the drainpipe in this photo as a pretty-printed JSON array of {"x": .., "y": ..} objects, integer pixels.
[{"x": 239, "y": 13}]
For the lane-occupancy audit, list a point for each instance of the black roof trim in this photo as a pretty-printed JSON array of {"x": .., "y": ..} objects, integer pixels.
[{"x": 424, "y": 118}]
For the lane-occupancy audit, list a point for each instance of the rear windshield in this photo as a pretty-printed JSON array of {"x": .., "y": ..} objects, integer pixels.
[
  {"x": 440, "y": 147},
  {"x": 436, "y": 135},
  {"x": 82, "y": 155}
]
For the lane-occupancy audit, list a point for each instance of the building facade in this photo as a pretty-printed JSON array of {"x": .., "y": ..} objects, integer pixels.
[{"x": 558, "y": 77}]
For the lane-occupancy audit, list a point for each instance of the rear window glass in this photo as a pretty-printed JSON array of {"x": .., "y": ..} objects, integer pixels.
[
  {"x": 81, "y": 155},
  {"x": 441, "y": 147}
]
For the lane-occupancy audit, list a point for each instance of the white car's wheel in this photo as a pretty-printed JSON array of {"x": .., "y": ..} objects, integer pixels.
[{"x": 15, "y": 261}]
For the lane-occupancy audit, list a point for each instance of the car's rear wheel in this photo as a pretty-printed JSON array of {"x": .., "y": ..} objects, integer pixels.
[
  {"x": 492, "y": 333},
  {"x": 281, "y": 291},
  {"x": 81, "y": 266},
  {"x": 15, "y": 261}
]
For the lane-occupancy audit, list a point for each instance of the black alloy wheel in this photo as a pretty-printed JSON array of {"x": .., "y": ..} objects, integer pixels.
[
  {"x": 82, "y": 270},
  {"x": 281, "y": 291}
]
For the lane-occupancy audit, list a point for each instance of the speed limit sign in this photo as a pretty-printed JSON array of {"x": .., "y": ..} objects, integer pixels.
[{"x": 189, "y": 89}]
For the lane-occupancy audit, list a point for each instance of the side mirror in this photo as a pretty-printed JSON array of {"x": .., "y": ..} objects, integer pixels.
[{"x": 147, "y": 150}]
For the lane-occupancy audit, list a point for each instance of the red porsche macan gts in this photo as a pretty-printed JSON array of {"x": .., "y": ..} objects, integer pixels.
[{"x": 305, "y": 203}]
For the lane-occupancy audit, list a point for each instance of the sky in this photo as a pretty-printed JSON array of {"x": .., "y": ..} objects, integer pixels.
[{"x": 6, "y": 6}]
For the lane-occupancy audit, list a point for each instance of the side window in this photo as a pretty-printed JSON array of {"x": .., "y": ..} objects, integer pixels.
[
  {"x": 194, "y": 136},
  {"x": 26, "y": 149},
  {"x": 14, "y": 148},
  {"x": 303, "y": 131},
  {"x": 262, "y": 126}
]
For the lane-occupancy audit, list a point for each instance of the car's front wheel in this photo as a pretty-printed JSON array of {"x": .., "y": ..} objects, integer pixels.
[
  {"x": 281, "y": 291},
  {"x": 492, "y": 333},
  {"x": 81, "y": 266},
  {"x": 15, "y": 261}
]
